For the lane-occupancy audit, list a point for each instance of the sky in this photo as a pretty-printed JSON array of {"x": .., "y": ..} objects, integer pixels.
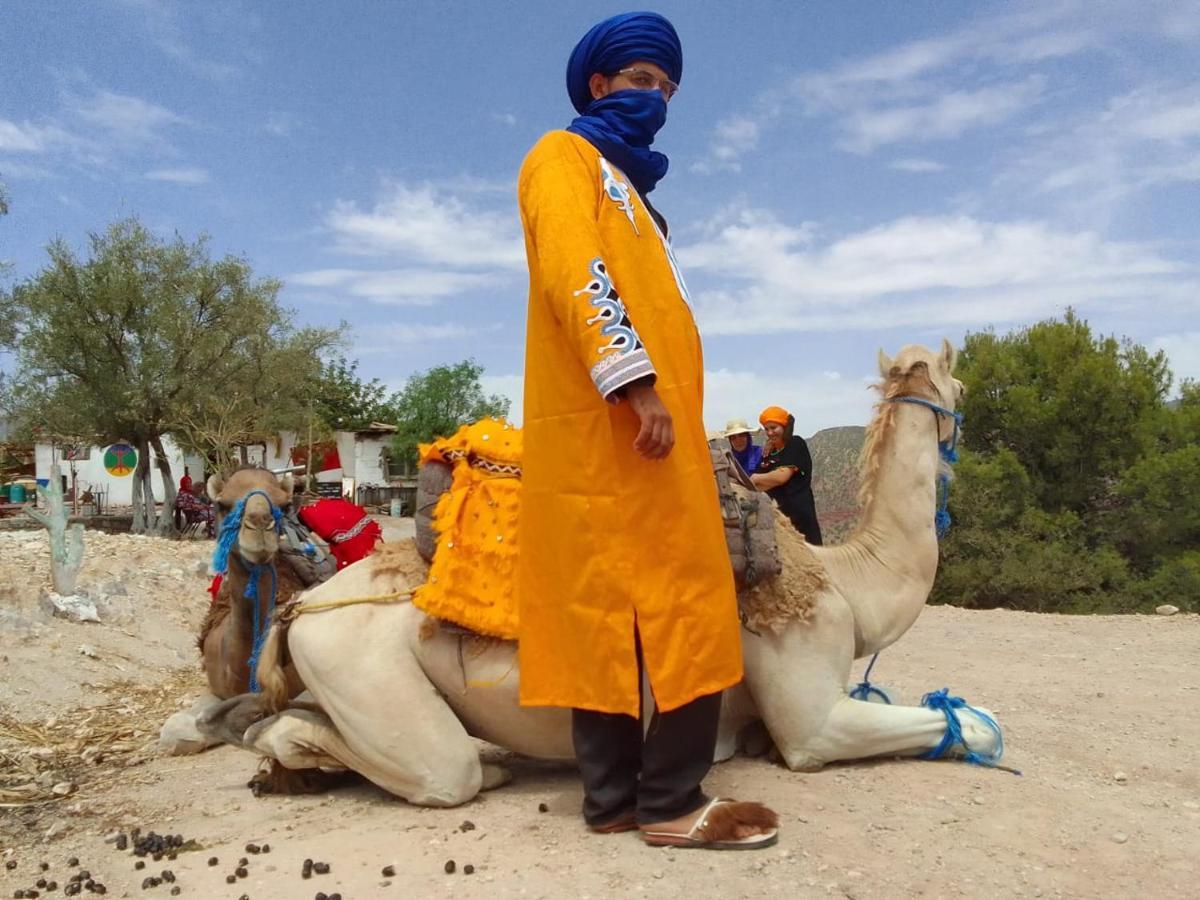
[{"x": 845, "y": 176}]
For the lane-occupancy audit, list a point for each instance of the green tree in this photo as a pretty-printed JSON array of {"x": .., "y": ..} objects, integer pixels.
[
  {"x": 439, "y": 401},
  {"x": 1076, "y": 409},
  {"x": 146, "y": 338},
  {"x": 342, "y": 401}
]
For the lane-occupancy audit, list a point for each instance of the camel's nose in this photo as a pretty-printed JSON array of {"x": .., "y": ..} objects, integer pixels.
[{"x": 258, "y": 514}]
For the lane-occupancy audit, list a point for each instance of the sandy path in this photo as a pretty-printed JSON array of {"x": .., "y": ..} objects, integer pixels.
[{"x": 1081, "y": 699}]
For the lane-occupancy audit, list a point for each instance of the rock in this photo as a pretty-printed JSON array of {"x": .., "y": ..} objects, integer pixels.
[
  {"x": 1120, "y": 837},
  {"x": 62, "y": 789},
  {"x": 75, "y": 607},
  {"x": 1166, "y": 609},
  {"x": 1120, "y": 777},
  {"x": 55, "y": 831},
  {"x": 88, "y": 650}
]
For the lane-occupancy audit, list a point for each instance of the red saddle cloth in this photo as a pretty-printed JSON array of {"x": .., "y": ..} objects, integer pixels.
[{"x": 351, "y": 535}]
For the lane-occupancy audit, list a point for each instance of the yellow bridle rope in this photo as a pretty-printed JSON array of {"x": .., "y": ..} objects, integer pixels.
[{"x": 295, "y": 608}]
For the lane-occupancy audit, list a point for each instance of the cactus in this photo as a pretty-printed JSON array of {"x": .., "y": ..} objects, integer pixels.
[{"x": 66, "y": 541}]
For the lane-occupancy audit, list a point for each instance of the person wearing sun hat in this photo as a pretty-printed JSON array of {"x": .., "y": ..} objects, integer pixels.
[
  {"x": 785, "y": 472},
  {"x": 623, "y": 568},
  {"x": 745, "y": 451}
]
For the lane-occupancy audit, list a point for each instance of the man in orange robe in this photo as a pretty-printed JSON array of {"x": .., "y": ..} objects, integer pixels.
[{"x": 623, "y": 565}]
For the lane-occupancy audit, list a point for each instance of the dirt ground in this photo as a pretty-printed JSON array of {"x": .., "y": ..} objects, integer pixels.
[{"x": 1099, "y": 714}]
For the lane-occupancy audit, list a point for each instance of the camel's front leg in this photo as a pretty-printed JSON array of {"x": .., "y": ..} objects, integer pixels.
[
  {"x": 856, "y": 730},
  {"x": 393, "y": 725},
  {"x": 798, "y": 680}
]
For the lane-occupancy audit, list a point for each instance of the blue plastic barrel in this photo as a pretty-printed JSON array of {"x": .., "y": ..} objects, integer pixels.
[{"x": 16, "y": 493}]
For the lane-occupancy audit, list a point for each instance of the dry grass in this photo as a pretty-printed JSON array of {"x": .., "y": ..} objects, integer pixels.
[{"x": 72, "y": 750}]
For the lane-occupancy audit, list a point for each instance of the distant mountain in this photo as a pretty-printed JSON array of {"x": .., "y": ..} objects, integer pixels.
[{"x": 835, "y": 479}]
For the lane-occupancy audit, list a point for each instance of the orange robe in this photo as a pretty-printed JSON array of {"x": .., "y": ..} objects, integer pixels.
[{"x": 610, "y": 540}]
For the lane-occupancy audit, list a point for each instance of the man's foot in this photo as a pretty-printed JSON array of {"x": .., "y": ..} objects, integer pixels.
[
  {"x": 720, "y": 825},
  {"x": 626, "y": 821}
]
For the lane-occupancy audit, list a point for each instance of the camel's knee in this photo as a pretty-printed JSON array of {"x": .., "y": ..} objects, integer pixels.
[
  {"x": 446, "y": 788},
  {"x": 801, "y": 760}
]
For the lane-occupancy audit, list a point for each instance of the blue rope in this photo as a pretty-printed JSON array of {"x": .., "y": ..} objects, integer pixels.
[
  {"x": 865, "y": 690},
  {"x": 260, "y": 628},
  {"x": 949, "y": 707},
  {"x": 226, "y": 540},
  {"x": 948, "y": 450}
]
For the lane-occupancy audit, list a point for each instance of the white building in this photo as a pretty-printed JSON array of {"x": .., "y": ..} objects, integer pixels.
[
  {"x": 363, "y": 456},
  {"x": 114, "y": 482}
]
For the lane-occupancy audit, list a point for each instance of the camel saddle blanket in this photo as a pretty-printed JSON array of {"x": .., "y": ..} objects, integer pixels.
[
  {"x": 468, "y": 505},
  {"x": 350, "y": 533}
]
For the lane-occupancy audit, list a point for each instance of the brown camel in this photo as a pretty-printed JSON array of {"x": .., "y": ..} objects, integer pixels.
[{"x": 227, "y": 636}]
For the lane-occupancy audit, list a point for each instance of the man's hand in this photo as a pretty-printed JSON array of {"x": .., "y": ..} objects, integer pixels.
[{"x": 657, "y": 434}]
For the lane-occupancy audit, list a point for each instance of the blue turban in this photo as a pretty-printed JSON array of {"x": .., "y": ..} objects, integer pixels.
[{"x": 615, "y": 43}]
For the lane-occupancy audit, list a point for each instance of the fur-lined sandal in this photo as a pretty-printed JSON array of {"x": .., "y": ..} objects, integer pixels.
[
  {"x": 626, "y": 821},
  {"x": 717, "y": 825}
]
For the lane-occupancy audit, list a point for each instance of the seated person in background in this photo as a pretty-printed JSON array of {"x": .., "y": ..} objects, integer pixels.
[
  {"x": 737, "y": 432},
  {"x": 785, "y": 472},
  {"x": 185, "y": 483}
]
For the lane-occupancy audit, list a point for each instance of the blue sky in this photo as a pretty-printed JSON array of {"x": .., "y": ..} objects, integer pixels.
[{"x": 844, "y": 176}]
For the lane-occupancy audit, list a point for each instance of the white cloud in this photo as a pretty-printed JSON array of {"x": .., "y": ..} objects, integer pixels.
[
  {"x": 387, "y": 337},
  {"x": 813, "y": 398},
  {"x": 125, "y": 118},
  {"x": 280, "y": 124},
  {"x": 427, "y": 225},
  {"x": 926, "y": 89},
  {"x": 1142, "y": 139},
  {"x": 1183, "y": 354},
  {"x": 510, "y": 386},
  {"x": 765, "y": 276},
  {"x": 91, "y": 129},
  {"x": 29, "y": 138},
  {"x": 505, "y": 118},
  {"x": 190, "y": 175},
  {"x": 393, "y": 287},
  {"x": 948, "y": 115},
  {"x": 918, "y": 166}
]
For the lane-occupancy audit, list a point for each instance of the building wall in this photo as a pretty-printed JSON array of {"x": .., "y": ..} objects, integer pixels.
[
  {"x": 369, "y": 466},
  {"x": 91, "y": 474}
]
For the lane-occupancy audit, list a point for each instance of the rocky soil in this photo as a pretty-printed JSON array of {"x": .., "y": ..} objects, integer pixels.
[{"x": 1098, "y": 714}]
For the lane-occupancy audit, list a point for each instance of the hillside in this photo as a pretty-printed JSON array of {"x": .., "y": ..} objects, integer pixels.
[{"x": 835, "y": 479}]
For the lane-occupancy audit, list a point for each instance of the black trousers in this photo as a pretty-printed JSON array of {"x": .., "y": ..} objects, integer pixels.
[{"x": 658, "y": 776}]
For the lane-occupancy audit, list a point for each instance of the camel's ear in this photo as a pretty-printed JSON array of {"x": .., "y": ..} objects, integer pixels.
[
  {"x": 885, "y": 364},
  {"x": 286, "y": 483},
  {"x": 949, "y": 355},
  {"x": 215, "y": 483}
]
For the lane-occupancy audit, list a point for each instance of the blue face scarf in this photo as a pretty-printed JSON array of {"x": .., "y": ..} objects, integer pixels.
[{"x": 622, "y": 127}]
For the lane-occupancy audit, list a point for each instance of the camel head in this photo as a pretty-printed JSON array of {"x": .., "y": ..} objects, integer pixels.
[
  {"x": 920, "y": 372},
  {"x": 258, "y": 537}
]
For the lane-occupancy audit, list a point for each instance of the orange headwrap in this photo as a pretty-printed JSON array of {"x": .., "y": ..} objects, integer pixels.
[{"x": 776, "y": 414}]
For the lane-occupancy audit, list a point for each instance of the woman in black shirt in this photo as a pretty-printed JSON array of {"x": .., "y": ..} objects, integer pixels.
[{"x": 785, "y": 472}]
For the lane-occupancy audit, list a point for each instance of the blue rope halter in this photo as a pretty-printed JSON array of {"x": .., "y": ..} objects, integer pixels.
[
  {"x": 948, "y": 450},
  {"x": 226, "y": 540},
  {"x": 864, "y": 690},
  {"x": 949, "y": 707}
]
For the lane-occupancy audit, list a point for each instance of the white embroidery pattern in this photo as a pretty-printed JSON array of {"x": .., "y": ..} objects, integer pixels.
[{"x": 618, "y": 192}]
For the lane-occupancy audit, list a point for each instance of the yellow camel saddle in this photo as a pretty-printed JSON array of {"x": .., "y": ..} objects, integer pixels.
[
  {"x": 473, "y": 574},
  {"x": 472, "y": 577}
]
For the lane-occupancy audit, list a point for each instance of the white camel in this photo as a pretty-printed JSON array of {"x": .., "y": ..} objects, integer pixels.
[{"x": 398, "y": 699}]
